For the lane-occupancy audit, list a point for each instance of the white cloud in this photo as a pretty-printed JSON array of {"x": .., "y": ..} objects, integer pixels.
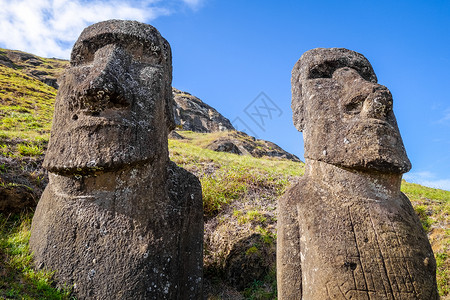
[
  {"x": 50, "y": 27},
  {"x": 429, "y": 179},
  {"x": 443, "y": 184},
  {"x": 193, "y": 3}
]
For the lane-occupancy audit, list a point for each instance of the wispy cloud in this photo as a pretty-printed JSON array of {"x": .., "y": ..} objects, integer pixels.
[
  {"x": 446, "y": 117},
  {"x": 49, "y": 27},
  {"x": 194, "y": 4},
  {"x": 429, "y": 179}
]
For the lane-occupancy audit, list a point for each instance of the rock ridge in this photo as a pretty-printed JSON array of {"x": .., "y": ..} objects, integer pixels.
[{"x": 193, "y": 114}]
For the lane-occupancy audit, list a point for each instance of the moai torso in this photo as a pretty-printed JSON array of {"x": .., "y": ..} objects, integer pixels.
[
  {"x": 345, "y": 230},
  {"x": 118, "y": 220}
]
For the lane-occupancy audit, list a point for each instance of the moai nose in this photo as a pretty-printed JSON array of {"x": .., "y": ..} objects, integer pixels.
[
  {"x": 378, "y": 103},
  {"x": 368, "y": 99},
  {"x": 105, "y": 86}
]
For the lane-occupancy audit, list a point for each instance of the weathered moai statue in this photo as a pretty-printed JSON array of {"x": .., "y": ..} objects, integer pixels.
[
  {"x": 118, "y": 219},
  {"x": 345, "y": 230}
]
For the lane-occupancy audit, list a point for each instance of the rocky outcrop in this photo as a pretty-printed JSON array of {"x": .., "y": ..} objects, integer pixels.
[
  {"x": 193, "y": 114},
  {"x": 118, "y": 219},
  {"x": 238, "y": 142},
  {"x": 345, "y": 231}
]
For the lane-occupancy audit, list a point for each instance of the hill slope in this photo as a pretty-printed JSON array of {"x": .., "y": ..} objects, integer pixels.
[
  {"x": 240, "y": 195},
  {"x": 46, "y": 70}
]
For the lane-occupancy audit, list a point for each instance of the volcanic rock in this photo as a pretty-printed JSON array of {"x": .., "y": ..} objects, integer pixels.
[{"x": 193, "y": 114}]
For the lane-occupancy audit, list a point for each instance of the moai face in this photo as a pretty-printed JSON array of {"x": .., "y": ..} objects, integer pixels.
[
  {"x": 346, "y": 117},
  {"x": 114, "y": 105}
]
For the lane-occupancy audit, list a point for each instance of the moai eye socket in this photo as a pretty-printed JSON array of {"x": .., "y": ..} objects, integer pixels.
[
  {"x": 85, "y": 53},
  {"x": 83, "y": 57},
  {"x": 146, "y": 53},
  {"x": 323, "y": 70}
]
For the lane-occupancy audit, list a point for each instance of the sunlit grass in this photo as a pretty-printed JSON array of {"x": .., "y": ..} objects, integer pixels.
[
  {"x": 433, "y": 209},
  {"x": 26, "y": 104},
  {"x": 18, "y": 278},
  {"x": 226, "y": 177}
]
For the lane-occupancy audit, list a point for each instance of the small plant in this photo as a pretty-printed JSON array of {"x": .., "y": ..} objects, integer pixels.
[
  {"x": 29, "y": 149},
  {"x": 266, "y": 235},
  {"x": 4, "y": 150},
  {"x": 252, "y": 250},
  {"x": 253, "y": 216},
  {"x": 39, "y": 179}
]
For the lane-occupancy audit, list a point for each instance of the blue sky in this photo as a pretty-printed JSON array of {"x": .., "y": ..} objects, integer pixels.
[{"x": 237, "y": 56}]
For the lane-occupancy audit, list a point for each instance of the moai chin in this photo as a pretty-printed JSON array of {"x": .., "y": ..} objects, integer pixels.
[
  {"x": 345, "y": 231},
  {"x": 118, "y": 219}
]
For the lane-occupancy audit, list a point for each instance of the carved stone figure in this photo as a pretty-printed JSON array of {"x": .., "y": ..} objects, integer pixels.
[
  {"x": 345, "y": 231},
  {"x": 118, "y": 219}
]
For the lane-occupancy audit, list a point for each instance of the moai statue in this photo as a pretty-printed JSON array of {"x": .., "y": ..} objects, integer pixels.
[
  {"x": 345, "y": 230},
  {"x": 118, "y": 219}
]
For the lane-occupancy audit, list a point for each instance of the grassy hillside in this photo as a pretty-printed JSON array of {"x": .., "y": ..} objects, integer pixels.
[
  {"x": 26, "y": 105},
  {"x": 239, "y": 193},
  {"x": 46, "y": 70}
]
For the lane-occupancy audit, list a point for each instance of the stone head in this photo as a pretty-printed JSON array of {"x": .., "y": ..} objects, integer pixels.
[
  {"x": 346, "y": 117},
  {"x": 114, "y": 104}
]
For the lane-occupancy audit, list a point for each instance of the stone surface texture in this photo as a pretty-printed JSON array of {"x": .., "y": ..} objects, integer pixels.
[
  {"x": 118, "y": 219},
  {"x": 345, "y": 231},
  {"x": 193, "y": 114}
]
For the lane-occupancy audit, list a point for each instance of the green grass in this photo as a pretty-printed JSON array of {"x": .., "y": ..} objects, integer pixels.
[
  {"x": 30, "y": 150},
  {"x": 433, "y": 209},
  {"x": 18, "y": 278},
  {"x": 227, "y": 177},
  {"x": 31, "y": 147},
  {"x": 26, "y": 105},
  {"x": 263, "y": 289},
  {"x": 250, "y": 216},
  {"x": 443, "y": 277}
]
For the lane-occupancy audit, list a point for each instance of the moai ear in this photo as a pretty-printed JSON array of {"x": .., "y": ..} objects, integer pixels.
[
  {"x": 298, "y": 115},
  {"x": 169, "y": 114},
  {"x": 168, "y": 94}
]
